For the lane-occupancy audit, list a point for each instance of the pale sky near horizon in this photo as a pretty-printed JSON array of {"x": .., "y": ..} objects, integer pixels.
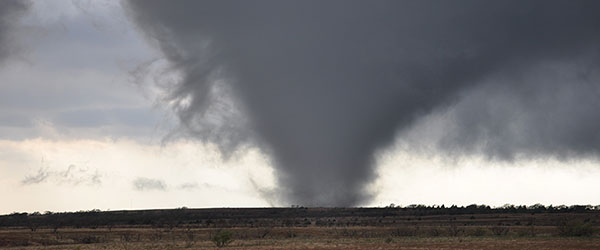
[{"x": 81, "y": 130}]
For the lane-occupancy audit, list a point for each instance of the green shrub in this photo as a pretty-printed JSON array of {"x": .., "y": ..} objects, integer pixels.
[{"x": 222, "y": 238}]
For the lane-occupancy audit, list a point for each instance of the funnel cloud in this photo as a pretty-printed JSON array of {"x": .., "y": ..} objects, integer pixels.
[{"x": 322, "y": 86}]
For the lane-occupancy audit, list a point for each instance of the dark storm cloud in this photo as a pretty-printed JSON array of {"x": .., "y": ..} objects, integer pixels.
[
  {"x": 325, "y": 84},
  {"x": 552, "y": 110},
  {"x": 10, "y": 11}
]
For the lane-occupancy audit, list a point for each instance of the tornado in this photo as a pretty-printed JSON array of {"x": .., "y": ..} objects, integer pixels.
[{"x": 322, "y": 86}]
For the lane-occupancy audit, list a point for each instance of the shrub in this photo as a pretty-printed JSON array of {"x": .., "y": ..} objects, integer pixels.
[
  {"x": 190, "y": 238},
  {"x": 405, "y": 231},
  {"x": 529, "y": 232},
  {"x": 500, "y": 230},
  {"x": 222, "y": 238},
  {"x": 434, "y": 232},
  {"x": 576, "y": 228},
  {"x": 454, "y": 230},
  {"x": 88, "y": 239},
  {"x": 290, "y": 234},
  {"x": 478, "y": 232}
]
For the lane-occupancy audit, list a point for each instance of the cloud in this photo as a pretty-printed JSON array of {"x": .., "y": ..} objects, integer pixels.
[
  {"x": 73, "y": 175},
  {"x": 95, "y": 117},
  {"x": 189, "y": 186},
  {"x": 546, "y": 112},
  {"x": 41, "y": 176},
  {"x": 195, "y": 186},
  {"x": 147, "y": 184},
  {"x": 549, "y": 111},
  {"x": 74, "y": 74},
  {"x": 118, "y": 163},
  {"x": 322, "y": 86},
  {"x": 10, "y": 12}
]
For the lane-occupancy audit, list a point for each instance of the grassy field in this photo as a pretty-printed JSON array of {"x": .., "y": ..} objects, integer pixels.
[
  {"x": 313, "y": 228},
  {"x": 296, "y": 238}
]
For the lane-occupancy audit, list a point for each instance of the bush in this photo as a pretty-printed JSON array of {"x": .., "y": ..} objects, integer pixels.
[
  {"x": 434, "y": 232},
  {"x": 454, "y": 230},
  {"x": 405, "y": 231},
  {"x": 88, "y": 239},
  {"x": 500, "y": 230},
  {"x": 222, "y": 238},
  {"x": 478, "y": 232},
  {"x": 527, "y": 232},
  {"x": 576, "y": 228}
]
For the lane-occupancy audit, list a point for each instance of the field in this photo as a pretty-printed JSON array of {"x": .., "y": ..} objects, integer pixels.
[{"x": 305, "y": 228}]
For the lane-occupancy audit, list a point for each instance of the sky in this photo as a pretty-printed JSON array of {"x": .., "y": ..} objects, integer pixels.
[{"x": 148, "y": 104}]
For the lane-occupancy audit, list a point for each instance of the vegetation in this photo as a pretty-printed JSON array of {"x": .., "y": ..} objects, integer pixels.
[
  {"x": 222, "y": 238},
  {"x": 418, "y": 226},
  {"x": 261, "y": 217},
  {"x": 575, "y": 228}
]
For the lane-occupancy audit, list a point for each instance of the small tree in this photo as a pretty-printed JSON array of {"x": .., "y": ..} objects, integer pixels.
[{"x": 222, "y": 238}]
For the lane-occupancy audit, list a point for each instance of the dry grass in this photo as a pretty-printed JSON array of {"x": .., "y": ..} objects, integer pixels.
[{"x": 291, "y": 238}]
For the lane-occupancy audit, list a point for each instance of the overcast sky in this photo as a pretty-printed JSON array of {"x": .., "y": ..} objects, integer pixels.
[{"x": 100, "y": 109}]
